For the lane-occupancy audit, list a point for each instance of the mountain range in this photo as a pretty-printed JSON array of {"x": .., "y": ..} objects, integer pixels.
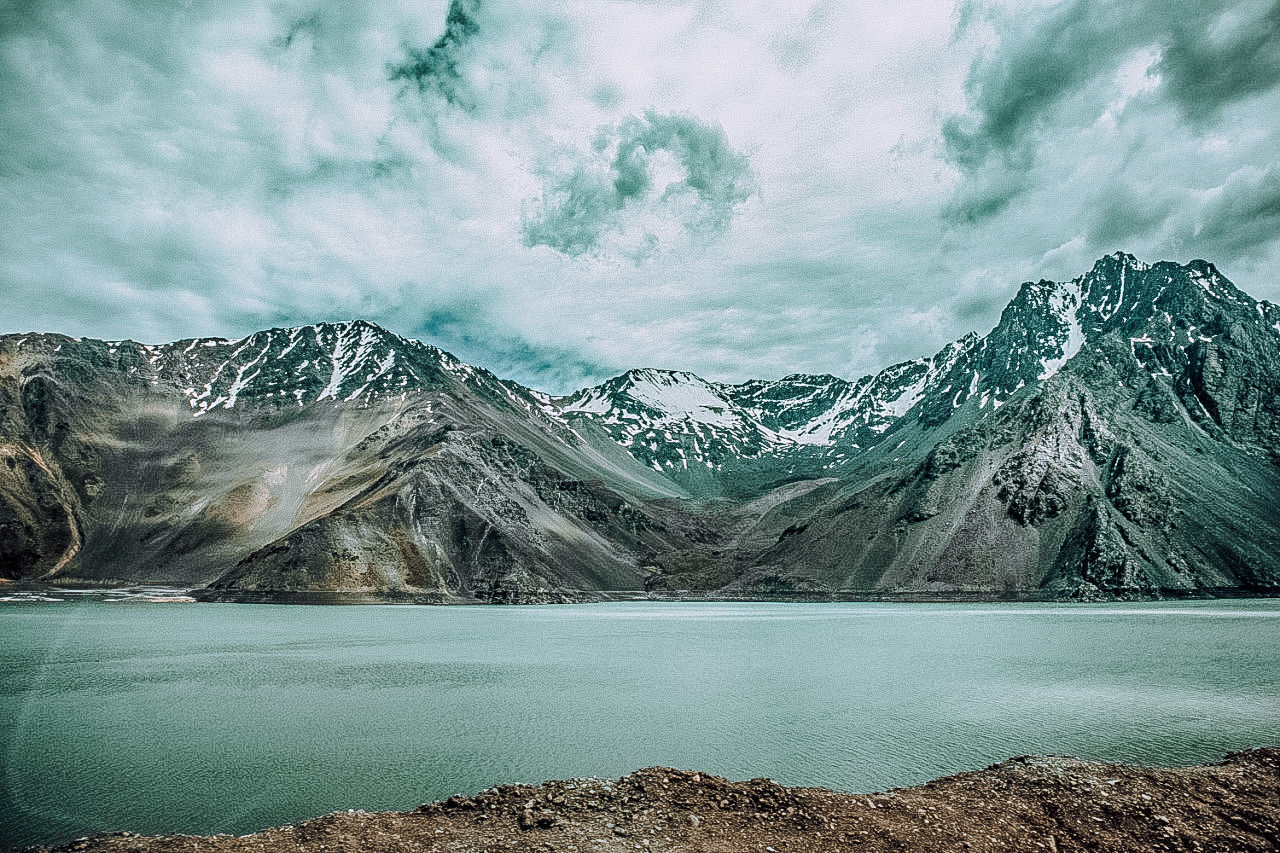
[{"x": 1114, "y": 436}]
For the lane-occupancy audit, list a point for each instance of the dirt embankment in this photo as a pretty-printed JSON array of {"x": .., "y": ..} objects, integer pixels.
[{"x": 1049, "y": 804}]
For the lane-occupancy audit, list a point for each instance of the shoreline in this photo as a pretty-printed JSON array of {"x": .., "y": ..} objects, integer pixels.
[
  {"x": 338, "y": 598},
  {"x": 1025, "y": 803},
  {"x": 612, "y": 596}
]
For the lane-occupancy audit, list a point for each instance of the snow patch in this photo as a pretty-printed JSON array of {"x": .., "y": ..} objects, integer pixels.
[
  {"x": 685, "y": 397},
  {"x": 337, "y": 375},
  {"x": 905, "y": 401},
  {"x": 1065, "y": 303}
]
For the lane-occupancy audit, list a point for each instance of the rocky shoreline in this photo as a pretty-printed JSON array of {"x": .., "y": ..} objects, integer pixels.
[
  {"x": 208, "y": 595},
  {"x": 1026, "y": 803},
  {"x": 722, "y": 597}
]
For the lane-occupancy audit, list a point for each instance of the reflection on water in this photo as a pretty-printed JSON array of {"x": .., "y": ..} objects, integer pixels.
[
  {"x": 229, "y": 718},
  {"x": 114, "y": 595}
]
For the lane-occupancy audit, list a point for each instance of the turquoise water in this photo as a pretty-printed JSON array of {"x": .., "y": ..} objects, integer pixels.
[{"x": 228, "y": 718}]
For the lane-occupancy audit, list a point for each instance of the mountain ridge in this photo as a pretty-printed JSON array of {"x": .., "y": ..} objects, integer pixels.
[{"x": 1043, "y": 459}]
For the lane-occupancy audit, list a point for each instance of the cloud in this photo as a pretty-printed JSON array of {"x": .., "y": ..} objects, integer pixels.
[
  {"x": 987, "y": 191},
  {"x": 436, "y": 69},
  {"x": 217, "y": 168},
  {"x": 561, "y": 190},
  {"x": 1132, "y": 207},
  {"x": 1040, "y": 60},
  {"x": 472, "y": 333},
  {"x": 1241, "y": 216},
  {"x": 1237, "y": 55},
  {"x": 626, "y": 185},
  {"x": 1053, "y": 70}
]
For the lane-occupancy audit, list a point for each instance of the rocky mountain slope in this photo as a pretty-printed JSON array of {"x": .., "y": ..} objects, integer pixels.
[
  {"x": 1117, "y": 435},
  {"x": 332, "y": 457}
]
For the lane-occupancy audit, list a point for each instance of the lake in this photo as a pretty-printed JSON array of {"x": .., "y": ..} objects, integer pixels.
[{"x": 210, "y": 718}]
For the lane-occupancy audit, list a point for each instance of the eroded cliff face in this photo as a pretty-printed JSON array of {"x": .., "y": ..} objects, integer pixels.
[
  {"x": 1114, "y": 436},
  {"x": 460, "y": 517}
]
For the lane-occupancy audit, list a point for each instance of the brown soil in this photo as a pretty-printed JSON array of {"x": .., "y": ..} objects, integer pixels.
[{"x": 1051, "y": 804}]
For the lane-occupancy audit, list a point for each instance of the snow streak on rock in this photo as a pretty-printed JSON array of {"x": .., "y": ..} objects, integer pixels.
[{"x": 347, "y": 362}]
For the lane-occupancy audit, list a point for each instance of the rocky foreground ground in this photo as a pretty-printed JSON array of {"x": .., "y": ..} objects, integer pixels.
[{"x": 1052, "y": 804}]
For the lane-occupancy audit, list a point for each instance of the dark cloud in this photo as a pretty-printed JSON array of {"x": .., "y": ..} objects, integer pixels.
[
  {"x": 468, "y": 331},
  {"x": 1210, "y": 53},
  {"x": 1238, "y": 219},
  {"x": 720, "y": 176},
  {"x": 1203, "y": 71},
  {"x": 1012, "y": 92},
  {"x": 1126, "y": 212},
  {"x": 976, "y": 309},
  {"x": 307, "y": 25},
  {"x": 437, "y": 68},
  {"x": 987, "y": 191},
  {"x": 574, "y": 212},
  {"x": 1011, "y": 89},
  {"x": 1244, "y": 215},
  {"x": 620, "y": 182}
]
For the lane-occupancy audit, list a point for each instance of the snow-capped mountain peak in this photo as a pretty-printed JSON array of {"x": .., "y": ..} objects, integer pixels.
[
  {"x": 673, "y": 419},
  {"x": 669, "y": 395},
  {"x": 1162, "y": 316},
  {"x": 1041, "y": 331},
  {"x": 351, "y": 362}
]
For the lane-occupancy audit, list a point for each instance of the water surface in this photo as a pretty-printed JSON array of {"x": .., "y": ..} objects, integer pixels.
[{"x": 171, "y": 717}]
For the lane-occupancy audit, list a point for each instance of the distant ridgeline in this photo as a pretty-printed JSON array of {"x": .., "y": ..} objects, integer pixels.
[{"x": 1117, "y": 435}]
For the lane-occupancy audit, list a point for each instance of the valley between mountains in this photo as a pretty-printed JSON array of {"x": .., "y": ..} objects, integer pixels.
[{"x": 1114, "y": 436}]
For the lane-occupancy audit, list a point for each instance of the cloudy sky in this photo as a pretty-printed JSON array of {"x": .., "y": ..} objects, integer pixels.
[{"x": 562, "y": 190}]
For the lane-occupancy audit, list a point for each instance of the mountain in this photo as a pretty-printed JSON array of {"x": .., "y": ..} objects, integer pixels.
[
  {"x": 329, "y": 457},
  {"x": 1116, "y": 435},
  {"x": 712, "y": 437}
]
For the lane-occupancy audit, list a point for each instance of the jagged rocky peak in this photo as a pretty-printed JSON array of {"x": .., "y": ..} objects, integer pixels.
[
  {"x": 651, "y": 405},
  {"x": 800, "y": 407},
  {"x": 1121, "y": 303},
  {"x": 672, "y": 418},
  {"x": 1163, "y": 311},
  {"x": 1046, "y": 323},
  {"x": 791, "y": 391},
  {"x": 870, "y": 406},
  {"x": 1121, "y": 292},
  {"x": 352, "y": 362}
]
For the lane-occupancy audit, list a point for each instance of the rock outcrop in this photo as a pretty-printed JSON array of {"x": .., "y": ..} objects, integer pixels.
[{"x": 1026, "y": 803}]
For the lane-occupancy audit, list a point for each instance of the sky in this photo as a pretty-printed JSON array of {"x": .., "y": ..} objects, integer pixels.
[{"x": 560, "y": 191}]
